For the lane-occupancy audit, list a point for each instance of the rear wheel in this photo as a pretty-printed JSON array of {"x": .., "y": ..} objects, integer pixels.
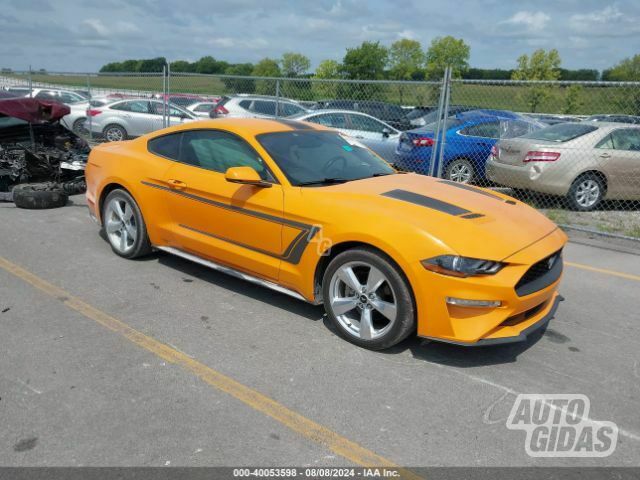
[
  {"x": 124, "y": 226},
  {"x": 586, "y": 192},
  {"x": 460, "y": 170},
  {"x": 368, "y": 299},
  {"x": 79, "y": 127},
  {"x": 114, "y": 133}
]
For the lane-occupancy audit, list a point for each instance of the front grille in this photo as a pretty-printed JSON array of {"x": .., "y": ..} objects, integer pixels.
[{"x": 540, "y": 275}]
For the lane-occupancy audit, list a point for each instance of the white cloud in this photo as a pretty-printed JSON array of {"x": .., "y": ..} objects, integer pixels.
[
  {"x": 583, "y": 21},
  {"x": 532, "y": 21}
]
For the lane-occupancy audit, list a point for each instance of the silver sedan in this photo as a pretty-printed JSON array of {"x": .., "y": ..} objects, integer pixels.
[
  {"x": 379, "y": 136},
  {"x": 134, "y": 117}
]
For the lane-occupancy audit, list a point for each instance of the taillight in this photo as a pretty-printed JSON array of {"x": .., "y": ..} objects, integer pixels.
[
  {"x": 221, "y": 110},
  {"x": 423, "y": 142},
  {"x": 534, "y": 156},
  {"x": 494, "y": 151},
  {"x": 93, "y": 112}
]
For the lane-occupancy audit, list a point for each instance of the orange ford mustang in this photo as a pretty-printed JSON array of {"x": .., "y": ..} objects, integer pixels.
[{"x": 308, "y": 212}]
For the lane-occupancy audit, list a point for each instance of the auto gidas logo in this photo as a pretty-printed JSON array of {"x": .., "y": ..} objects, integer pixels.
[{"x": 558, "y": 425}]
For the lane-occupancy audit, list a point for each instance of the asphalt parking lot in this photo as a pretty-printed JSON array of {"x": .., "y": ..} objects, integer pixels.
[{"x": 163, "y": 362}]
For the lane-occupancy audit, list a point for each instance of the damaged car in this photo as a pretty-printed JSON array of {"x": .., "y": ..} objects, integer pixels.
[{"x": 41, "y": 162}]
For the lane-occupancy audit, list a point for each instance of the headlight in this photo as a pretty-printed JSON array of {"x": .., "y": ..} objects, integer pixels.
[{"x": 461, "y": 266}]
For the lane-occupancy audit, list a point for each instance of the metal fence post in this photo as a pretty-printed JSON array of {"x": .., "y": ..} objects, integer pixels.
[
  {"x": 89, "y": 106},
  {"x": 436, "y": 142},
  {"x": 443, "y": 143},
  {"x": 164, "y": 96},
  {"x": 30, "y": 83},
  {"x": 277, "y": 98}
]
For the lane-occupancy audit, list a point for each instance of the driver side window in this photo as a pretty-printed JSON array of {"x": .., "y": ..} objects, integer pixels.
[{"x": 218, "y": 151}]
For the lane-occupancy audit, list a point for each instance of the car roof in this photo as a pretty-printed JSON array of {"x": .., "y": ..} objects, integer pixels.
[{"x": 245, "y": 126}]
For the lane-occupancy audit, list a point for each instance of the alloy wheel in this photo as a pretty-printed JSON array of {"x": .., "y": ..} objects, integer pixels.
[
  {"x": 460, "y": 172},
  {"x": 587, "y": 193},
  {"x": 120, "y": 225},
  {"x": 114, "y": 134},
  {"x": 363, "y": 300}
]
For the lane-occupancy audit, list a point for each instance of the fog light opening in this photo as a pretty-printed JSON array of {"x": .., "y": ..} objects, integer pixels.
[{"x": 464, "y": 302}]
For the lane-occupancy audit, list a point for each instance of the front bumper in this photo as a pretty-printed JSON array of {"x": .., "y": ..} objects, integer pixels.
[
  {"x": 521, "y": 309},
  {"x": 548, "y": 310}
]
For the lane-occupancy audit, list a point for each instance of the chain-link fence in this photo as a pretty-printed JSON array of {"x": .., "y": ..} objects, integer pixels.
[{"x": 571, "y": 149}]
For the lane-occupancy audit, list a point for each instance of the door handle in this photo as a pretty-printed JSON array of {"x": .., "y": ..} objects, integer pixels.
[
  {"x": 605, "y": 155},
  {"x": 176, "y": 184}
]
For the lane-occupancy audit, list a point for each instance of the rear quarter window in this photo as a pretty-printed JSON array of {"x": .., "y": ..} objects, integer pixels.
[{"x": 167, "y": 146}]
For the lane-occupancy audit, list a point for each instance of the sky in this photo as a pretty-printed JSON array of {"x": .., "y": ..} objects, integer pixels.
[{"x": 82, "y": 35}]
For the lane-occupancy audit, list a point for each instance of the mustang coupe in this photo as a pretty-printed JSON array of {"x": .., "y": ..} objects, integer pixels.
[{"x": 306, "y": 211}]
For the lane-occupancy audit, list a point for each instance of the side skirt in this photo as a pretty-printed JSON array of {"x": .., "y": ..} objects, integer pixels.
[{"x": 233, "y": 272}]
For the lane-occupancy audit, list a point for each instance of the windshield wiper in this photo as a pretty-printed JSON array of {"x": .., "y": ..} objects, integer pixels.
[
  {"x": 324, "y": 181},
  {"x": 382, "y": 174}
]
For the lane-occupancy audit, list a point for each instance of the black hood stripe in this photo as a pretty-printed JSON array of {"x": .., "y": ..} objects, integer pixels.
[
  {"x": 469, "y": 188},
  {"x": 428, "y": 202}
]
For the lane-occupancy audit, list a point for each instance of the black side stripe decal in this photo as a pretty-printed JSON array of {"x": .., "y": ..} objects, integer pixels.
[
  {"x": 293, "y": 252},
  {"x": 253, "y": 213},
  {"x": 428, "y": 202},
  {"x": 476, "y": 190}
]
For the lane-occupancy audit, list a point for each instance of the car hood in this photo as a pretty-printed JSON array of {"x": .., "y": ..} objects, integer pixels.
[{"x": 471, "y": 221}]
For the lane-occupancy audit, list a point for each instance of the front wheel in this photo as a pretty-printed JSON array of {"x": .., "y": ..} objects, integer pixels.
[
  {"x": 368, "y": 299},
  {"x": 124, "y": 226},
  {"x": 461, "y": 171}
]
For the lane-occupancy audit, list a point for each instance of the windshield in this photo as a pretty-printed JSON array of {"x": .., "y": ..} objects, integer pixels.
[
  {"x": 321, "y": 157},
  {"x": 561, "y": 132}
]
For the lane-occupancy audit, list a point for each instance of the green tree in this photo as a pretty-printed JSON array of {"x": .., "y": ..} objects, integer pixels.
[
  {"x": 541, "y": 65},
  {"x": 180, "y": 66},
  {"x": 573, "y": 99},
  {"x": 208, "y": 65},
  {"x": 405, "y": 59},
  {"x": 445, "y": 51},
  {"x": 366, "y": 62},
  {"x": 294, "y": 64},
  {"x": 239, "y": 85},
  {"x": 628, "y": 70},
  {"x": 152, "y": 64},
  {"x": 267, "y": 67},
  {"x": 327, "y": 69}
]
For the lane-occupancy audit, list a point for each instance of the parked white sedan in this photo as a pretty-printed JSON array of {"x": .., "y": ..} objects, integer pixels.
[
  {"x": 134, "y": 117},
  {"x": 379, "y": 136}
]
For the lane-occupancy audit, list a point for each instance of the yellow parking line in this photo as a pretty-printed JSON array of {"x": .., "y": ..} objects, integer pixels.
[
  {"x": 254, "y": 399},
  {"x": 628, "y": 276}
]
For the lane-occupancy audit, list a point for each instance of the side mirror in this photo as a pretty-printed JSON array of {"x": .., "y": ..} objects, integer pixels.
[
  {"x": 386, "y": 132},
  {"x": 245, "y": 176}
]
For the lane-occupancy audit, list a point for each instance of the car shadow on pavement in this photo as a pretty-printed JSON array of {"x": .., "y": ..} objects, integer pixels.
[
  {"x": 465, "y": 357},
  {"x": 241, "y": 287}
]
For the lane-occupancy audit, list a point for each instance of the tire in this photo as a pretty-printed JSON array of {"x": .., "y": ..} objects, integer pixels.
[
  {"x": 39, "y": 196},
  {"x": 124, "y": 226},
  {"x": 114, "y": 133},
  {"x": 79, "y": 128},
  {"x": 460, "y": 170},
  {"x": 387, "y": 291},
  {"x": 586, "y": 192}
]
